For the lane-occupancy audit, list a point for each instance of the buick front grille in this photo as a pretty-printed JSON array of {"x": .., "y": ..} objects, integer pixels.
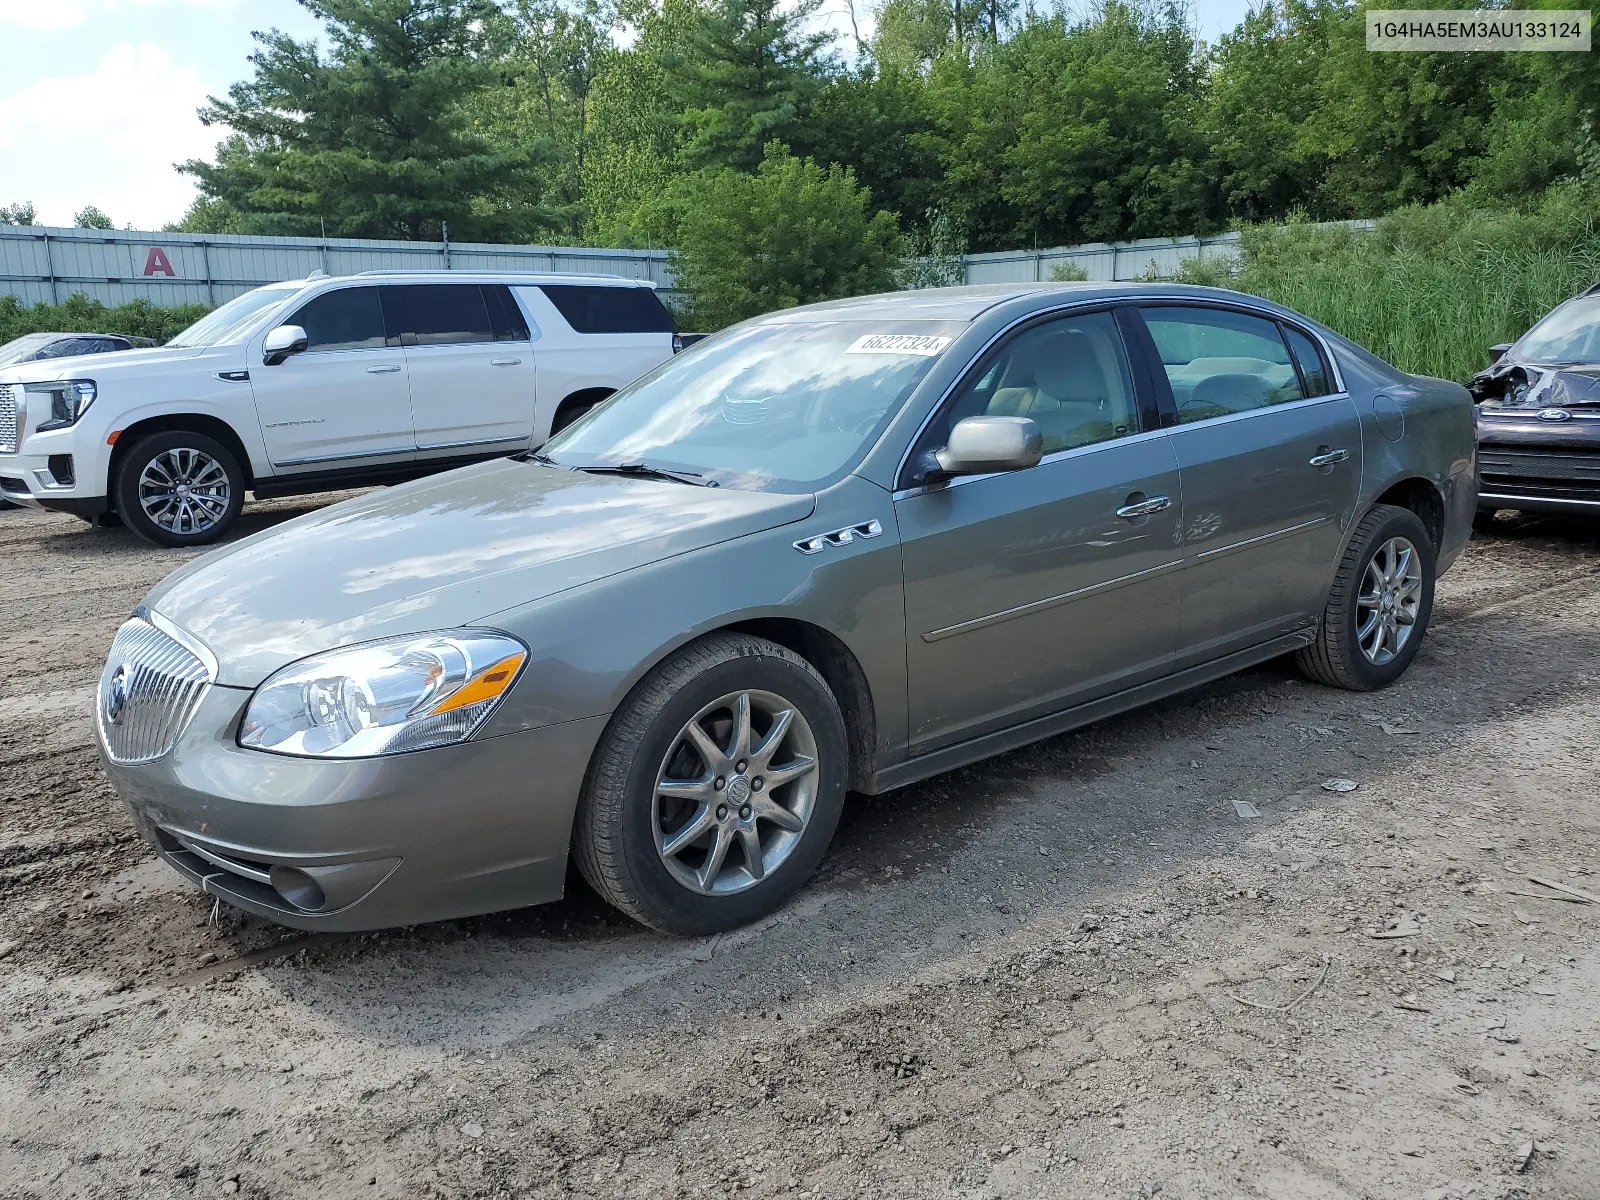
[
  {"x": 152, "y": 685},
  {"x": 8, "y": 418}
]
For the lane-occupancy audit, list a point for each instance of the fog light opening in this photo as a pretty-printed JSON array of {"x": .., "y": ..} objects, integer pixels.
[{"x": 299, "y": 889}]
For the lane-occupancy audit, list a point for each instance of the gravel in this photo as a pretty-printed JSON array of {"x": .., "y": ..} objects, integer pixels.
[{"x": 1016, "y": 980}]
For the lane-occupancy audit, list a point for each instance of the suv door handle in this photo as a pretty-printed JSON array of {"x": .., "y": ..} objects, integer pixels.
[
  {"x": 1328, "y": 457},
  {"x": 385, "y": 370},
  {"x": 504, "y": 362},
  {"x": 1143, "y": 508}
]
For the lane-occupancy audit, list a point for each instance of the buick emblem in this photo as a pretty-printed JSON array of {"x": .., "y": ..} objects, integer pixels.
[
  {"x": 1553, "y": 414},
  {"x": 117, "y": 694}
]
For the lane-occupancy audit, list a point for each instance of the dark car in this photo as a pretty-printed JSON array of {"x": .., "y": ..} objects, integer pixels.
[
  {"x": 31, "y": 347},
  {"x": 1539, "y": 415}
]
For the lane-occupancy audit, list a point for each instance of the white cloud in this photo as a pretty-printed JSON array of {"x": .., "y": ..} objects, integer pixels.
[
  {"x": 108, "y": 138},
  {"x": 69, "y": 14}
]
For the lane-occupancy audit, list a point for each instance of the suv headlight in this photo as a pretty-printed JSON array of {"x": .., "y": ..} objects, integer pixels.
[
  {"x": 385, "y": 697},
  {"x": 69, "y": 399}
]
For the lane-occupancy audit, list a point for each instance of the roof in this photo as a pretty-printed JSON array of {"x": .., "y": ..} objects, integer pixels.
[{"x": 533, "y": 277}]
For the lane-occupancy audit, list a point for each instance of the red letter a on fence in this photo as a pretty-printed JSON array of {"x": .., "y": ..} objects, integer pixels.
[{"x": 156, "y": 263}]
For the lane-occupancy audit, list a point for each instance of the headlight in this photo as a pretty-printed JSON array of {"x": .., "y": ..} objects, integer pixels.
[
  {"x": 69, "y": 400},
  {"x": 387, "y": 697}
]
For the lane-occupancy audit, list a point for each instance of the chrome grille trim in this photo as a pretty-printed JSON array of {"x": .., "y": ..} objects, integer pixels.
[
  {"x": 163, "y": 677},
  {"x": 8, "y": 418}
]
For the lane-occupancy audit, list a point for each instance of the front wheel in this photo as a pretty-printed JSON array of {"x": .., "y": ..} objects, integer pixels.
[
  {"x": 1378, "y": 608},
  {"x": 179, "y": 488},
  {"x": 716, "y": 788}
]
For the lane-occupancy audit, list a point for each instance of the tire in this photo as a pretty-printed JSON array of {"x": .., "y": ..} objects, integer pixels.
[
  {"x": 622, "y": 836},
  {"x": 566, "y": 416},
  {"x": 1343, "y": 654},
  {"x": 172, "y": 461}
]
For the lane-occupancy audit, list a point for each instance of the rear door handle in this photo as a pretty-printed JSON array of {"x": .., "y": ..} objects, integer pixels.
[
  {"x": 382, "y": 370},
  {"x": 1143, "y": 508},
  {"x": 1329, "y": 457},
  {"x": 504, "y": 362}
]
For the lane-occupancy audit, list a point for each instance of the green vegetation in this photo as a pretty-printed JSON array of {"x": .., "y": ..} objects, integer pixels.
[
  {"x": 1433, "y": 286},
  {"x": 79, "y": 314},
  {"x": 790, "y": 234}
]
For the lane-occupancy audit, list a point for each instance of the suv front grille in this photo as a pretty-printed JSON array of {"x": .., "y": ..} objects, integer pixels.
[
  {"x": 149, "y": 692},
  {"x": 8, "y": 418},
  {"x": 1553, "y": 474}
]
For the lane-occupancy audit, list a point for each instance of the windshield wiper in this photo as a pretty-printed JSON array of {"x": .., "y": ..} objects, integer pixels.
[
  {"x": 644, "y": 471},
  {"x": 538, "y": 456}
]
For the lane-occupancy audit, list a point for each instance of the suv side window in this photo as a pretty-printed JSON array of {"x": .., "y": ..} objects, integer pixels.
[
  {"x": 437, "y": 314},
  {"x": 1220, "y": 361},
  {"x": 1070, "y": 376},
  {"x": 598, "y": 309},
  {"x": 347, "y": 319},
  {"x": 1314, "y": 374},
  {"x": 504, "y": 314}
]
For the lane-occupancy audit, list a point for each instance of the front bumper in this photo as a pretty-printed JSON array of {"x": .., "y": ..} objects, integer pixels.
[
  {"x": 362, "y": 843},
  {"x": 1540, "y": 467}
]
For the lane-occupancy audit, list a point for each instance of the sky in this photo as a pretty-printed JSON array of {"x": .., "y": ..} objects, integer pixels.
[{"x": 98, "y": 97}]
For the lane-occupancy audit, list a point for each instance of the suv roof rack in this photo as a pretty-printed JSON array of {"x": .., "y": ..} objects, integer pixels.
[{"x": 512, "y": 274}]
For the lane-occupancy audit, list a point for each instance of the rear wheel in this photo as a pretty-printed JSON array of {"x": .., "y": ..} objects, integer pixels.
[
  {"x": 179, "y": 488},
  {"x": 716, "y": 788},
  {"x": 1379, "y": 606}
]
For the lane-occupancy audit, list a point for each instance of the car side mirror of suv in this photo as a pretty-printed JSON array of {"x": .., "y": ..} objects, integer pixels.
[
  {"x": 1496, "y": 353},
  {"x": 981, "y": 445},
  {"x": 282, "y": 342}
]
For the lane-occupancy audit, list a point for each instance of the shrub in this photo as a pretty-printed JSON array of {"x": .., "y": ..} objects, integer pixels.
[
  {"x": 79, "y": 314},
  {"x": 792, "y": 233}
]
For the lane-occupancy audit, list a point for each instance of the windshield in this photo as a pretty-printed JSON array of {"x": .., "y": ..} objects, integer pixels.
[
  {"x": 24, "y": 347},
  {"x": 1569, "y": 334},
  {"x": 229, "y": 322},
  {"x": 782, "y": 407}
]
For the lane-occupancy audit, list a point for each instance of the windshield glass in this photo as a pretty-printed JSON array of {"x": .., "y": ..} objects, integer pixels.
[
  {"x": 24, "y": 347},
  {"x": 783, "y": 407},
  {"x": 227, "y": 323},
  {"x": 1570, "y": 334}
]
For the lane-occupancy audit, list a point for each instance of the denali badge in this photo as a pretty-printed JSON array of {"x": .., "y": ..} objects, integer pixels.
[{"x": 1553, "y": 414}]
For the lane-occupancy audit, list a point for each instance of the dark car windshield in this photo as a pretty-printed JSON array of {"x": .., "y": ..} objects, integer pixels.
[
  {"x": 25, "y": 347},
  {"x": 781, "y": 407},
  {"x": 1570, "y": 333}
]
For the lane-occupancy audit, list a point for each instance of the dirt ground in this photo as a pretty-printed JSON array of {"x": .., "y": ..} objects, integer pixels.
[{"x": 1153, "y": 958}]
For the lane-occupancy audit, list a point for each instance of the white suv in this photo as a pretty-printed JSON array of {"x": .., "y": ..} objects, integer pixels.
[{"x": 317, "y": 384}]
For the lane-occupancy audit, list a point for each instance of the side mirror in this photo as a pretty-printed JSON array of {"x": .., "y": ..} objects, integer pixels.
[
  {"x": 980, "y": 445},
  {"x": 1496, "y": 353},
  {"x": 282, "y": 342}
]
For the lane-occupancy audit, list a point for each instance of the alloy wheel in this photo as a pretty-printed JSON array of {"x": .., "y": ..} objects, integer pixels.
[
  {"x": 1389, "y": 600},
  {"x": 184, "y": 491},
  {"x": 735, "y": 792}
]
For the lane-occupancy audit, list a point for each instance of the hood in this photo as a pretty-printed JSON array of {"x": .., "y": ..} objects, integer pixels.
[
  {"x": 449, "y": 550},
  {"x": 1511, "y": 386},
  {"x": 99, "y": 366}
]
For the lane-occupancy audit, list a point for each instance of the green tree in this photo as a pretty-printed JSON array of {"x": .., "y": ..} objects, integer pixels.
[
  {"x": 18, "y": 214},
  {"x": 745, "y": 75},
  {"x": 371, "y": 138},
  {"x": 90, "y": 217},
  {"x": 792, "y": 233}
]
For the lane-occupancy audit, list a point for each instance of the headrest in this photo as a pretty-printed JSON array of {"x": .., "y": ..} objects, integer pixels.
[{"x": 1065, "y": 368}]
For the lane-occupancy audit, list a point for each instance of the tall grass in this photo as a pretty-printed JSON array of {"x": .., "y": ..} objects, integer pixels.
[{"x": 1431, "y": 288}]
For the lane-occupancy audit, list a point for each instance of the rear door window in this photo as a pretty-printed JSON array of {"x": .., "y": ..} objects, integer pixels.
[
  {"x": 504, "y": 314},
  {"x": 438, "y": 314},
  {"x": 347, "y": 319},
  {"x": 591, "y": 308},
  {"x": 1313, "y": 371},
  {"x": 1220, "y": 361}
]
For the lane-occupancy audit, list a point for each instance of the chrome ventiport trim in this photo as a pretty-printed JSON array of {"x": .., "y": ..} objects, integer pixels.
[{"x": 839, "y": 537}]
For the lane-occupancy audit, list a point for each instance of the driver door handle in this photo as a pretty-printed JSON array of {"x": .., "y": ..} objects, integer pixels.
[
  {"x": 382, "y": 370},
  {"x": 1155, "y": 504},
  {"x": 1328, "y": 458},
  {"x": 504, "y": 362}
]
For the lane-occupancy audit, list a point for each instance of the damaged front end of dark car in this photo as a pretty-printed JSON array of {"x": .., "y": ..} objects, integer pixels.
[{"x": 1538, "y": 411}]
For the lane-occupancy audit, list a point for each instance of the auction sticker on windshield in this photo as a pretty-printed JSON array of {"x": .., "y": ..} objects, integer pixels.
[{"x": 925, "y": 345}]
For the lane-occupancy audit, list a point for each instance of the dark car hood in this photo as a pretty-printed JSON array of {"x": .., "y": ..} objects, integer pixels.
[
  {"x": 441, "y": 552},
  {"x": 1531, "y": 386}
]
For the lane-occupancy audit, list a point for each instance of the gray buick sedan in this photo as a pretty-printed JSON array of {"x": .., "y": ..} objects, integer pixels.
[{"x": 838, "y": 548}]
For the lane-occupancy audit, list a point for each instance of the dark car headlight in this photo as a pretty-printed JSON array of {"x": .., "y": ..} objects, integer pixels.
[
  {"x": 69, "y": 399},
  {"x": 386, "y": 697}
]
